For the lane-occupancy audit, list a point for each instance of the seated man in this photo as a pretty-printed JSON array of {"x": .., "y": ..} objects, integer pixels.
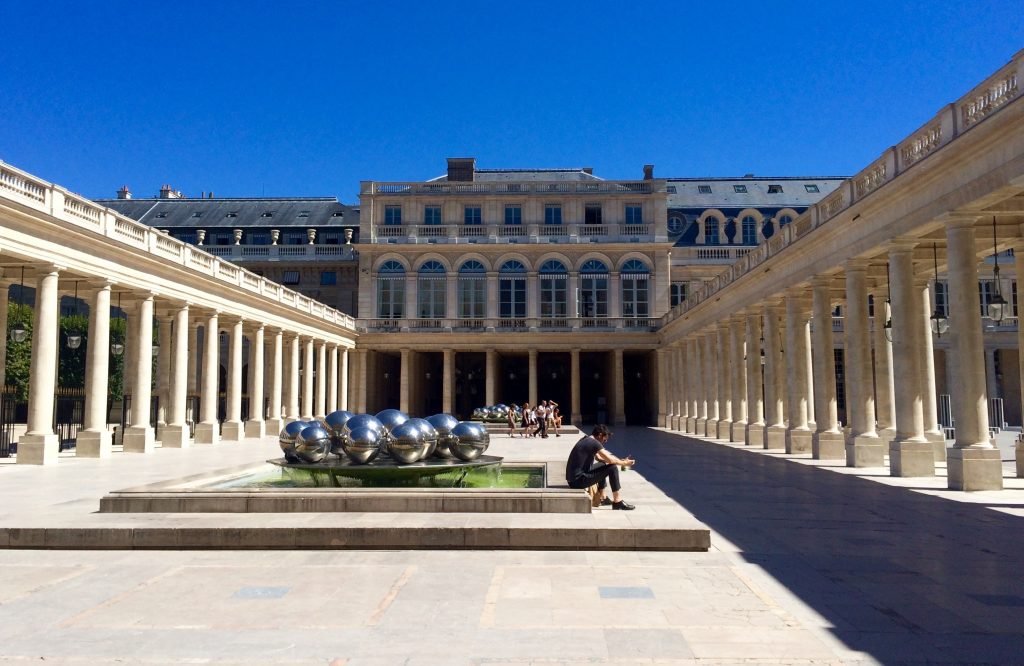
[{"x": 580, "y": 471}]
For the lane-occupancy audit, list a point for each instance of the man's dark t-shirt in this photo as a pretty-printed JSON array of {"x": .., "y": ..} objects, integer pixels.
[{"x": 581, "y": 458}]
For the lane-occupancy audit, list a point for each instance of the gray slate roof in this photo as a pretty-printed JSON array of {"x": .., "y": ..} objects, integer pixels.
[
  {"x": 723, "y": 193},
  {"x": 237, "y": 213}
]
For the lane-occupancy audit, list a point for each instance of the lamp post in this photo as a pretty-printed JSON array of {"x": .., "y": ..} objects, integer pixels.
[
  {"x": 997, "y": 306},
  {"x": 18, "y": 332},
  {"x": 75, "y": 339},
  {"x": 940, "y": 323}
]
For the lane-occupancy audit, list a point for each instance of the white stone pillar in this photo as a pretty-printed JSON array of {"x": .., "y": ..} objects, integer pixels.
[
  {"x": 710, "y": 358},
  {"x": 138, "y": 437},
  {"x": 256, "y": 427},
  {"x": 827, "y": 442},
  {"x": 618, "y": 386},
  {"x": 448, "y": 382},
  {"x": 175, "y": 434},
  {"x": 532, "y": 387},
  {"x": 343, "y": 397},
  {"x": 208, "y": 428},
  {"x": 293, "y": 399},
  {"x": 930, "y": 403},
  {"x": 192, "y": 370},
  {"x": 973, "y": 463},
  {"x": 809, "y": 364},
  {"x": 864, "y": 448},
  {"x": 798, "y": 432},
  {"x": 737, "y": 355},
  {"x": 308, "y": 372},
  {"x": 40, "y": 445},
  {"x": 774, "y": 379},
  {"x": 233, "y": 429},
  {"x": 94, "y": 440},
  {"x": 725, "y": 381},
  {"x": 491, "y": 376},
  {"x": 682, "y": 388},
  {"x": 404, "y": 381},
  {"x": 910, "y": 454},
  {"x": 321, "y": 381},
  {"x": 275, "y": 420},
  {"x": 662, "y": 355},
  {"x": 754, "y": 432},
  {"x": 332, "y": 379},
  {"x": 885, "y": 408},
  {"x": 163, "y": 371},
  {"x": 574, "y": 360},
  {"x": 697, "y": 375}
]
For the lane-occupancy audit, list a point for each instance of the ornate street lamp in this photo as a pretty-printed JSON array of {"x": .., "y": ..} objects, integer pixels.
[
  {"x": 997, "y": 306},
  {"x": 18, "y": 332},
  {"x": 888, "y": 304},
  {"x": 940, "y": 323},
  {"x": 75, "y": 339}
]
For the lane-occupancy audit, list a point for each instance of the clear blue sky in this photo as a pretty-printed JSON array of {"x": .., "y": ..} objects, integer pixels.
[{"x": 308, "y": 98}]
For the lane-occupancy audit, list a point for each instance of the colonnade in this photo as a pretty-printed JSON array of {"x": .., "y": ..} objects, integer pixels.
[{"x": 754, "y": 377}]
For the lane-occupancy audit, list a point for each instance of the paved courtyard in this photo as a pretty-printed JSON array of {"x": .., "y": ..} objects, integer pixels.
[{"x": 809, "y": 563}]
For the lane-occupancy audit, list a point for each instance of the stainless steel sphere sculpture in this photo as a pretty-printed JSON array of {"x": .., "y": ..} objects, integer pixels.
[
  {"x": 407, "y": 443},
  {"x": 362, "y": 444},
  {"x": 443, "y": 424},
  {"x": 470, "y": 440},
  {"x": 493, "y": 413},
  {"x": 313, "y": 444},
  {"x": 287, "y": 439},
  {"x": 428, "y": 433},
  {"x": 334, "y": 423}
]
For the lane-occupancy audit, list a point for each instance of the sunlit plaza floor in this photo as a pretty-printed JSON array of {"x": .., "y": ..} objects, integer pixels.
[{"x": 810, "y": 562}]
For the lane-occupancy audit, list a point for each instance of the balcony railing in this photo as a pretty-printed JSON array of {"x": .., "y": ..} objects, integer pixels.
[
  {"x": 507, "y": 324},
  {"x": 514, "y": 233},
  {"x": 236, "y": 253}
]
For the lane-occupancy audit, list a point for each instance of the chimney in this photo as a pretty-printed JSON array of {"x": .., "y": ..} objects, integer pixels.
[
  {"x": 648, "y": 172},
  {"x": 588, "y": 170},
  {"x": 124, "y": 193},
  {"x": 461, "y": 169},
  {"x": 168, "y": 192}
]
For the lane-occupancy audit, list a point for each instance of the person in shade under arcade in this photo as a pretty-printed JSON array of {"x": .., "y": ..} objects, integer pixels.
[{"x": 580, "y": 471}]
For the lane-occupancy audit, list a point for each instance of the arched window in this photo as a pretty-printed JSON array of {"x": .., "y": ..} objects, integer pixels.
[
  {"x": 749, "y": 230},
  {"x": 593, "y": 289},
  {"x": 431, "y": 290},
  {"x": 391, "y": 290},
  {"x": 634, "y": 278},
  {"x": 512, "y": 290},
  {"x": 554, "y": 279},
  {"x": 472, "y": 290},
  {"x": 711, "y": 231},
  {"x": 676, "y": 224},
  {"x": 784, "y": 220}
]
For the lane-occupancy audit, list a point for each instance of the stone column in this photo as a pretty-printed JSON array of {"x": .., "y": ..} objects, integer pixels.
[
  {"x": 532, "y": 392},
  {"x": 293, "y": 399},
  {"x": 404, "y": 378},
  {"x": 827, "y": 442},
  {"x": 665, "y": 414},
  {"x": 973, "y": 463},
  {"x": 725, "y": 382},
  {"x": 754, "y": 432},
  {"x": 332, "y": 380},
  {"x": 40, "y": 445},
  {"x": 208, "y": 428},
  {"x": 175, "y": 434},
  {"x": 1019, "y": 265},
  {"x": 138, "y": 437},
  {"x": 809, "y": 364},
  {"x": 308, "y": 372},
  {"x": 321, "y": 381},
  {"x": 191, "y": 407},
  {"x": 491, "y": 376},
  {"x": 864, "y": 448},
  {"x": 574, "y": 358},
  {"x": 711, "y": 359},
  {"x": 256, "y": 427},
  {"x": 798, "y": 432},
  {"x": 739, "y": 380},
  {"x": 361, "y": 380},
  {"x": 910, "y": 454},
  {"x": 774, "y": 379},
  {"x": 885, "y": 408},
  {"x": 699, "y": 374},
  {"x": 163, "y": 371},
  {"x": 343, "y": 398},
  {"x": 930, "y": 404},
  {"x": 682, "y": 389},
  {"x": 448, "y": 382},
  {"x": 618, "y": 386},
  {"x": 275, "y": 420},
  {"x": 94, "y": 440},
  {"x": 233, "y": 430}
]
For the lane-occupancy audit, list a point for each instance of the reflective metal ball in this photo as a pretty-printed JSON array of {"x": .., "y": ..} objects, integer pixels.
[
  {"x": 443, "y": 424},
  {"x": 287, "y": 439},
  {"x": 335, "y": 425},
  {"x": 362, "y": 444},
  {"x": 407, "y": 443},
  {"x": 392, "y": 418},
  {"x": 313, "y": 444},
  {"x": 470, "y": 441},
  {"x": 429, "y": 435}
]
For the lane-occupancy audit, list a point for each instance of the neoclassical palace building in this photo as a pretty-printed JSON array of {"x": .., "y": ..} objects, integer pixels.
[{"x": 871, "y": 318}]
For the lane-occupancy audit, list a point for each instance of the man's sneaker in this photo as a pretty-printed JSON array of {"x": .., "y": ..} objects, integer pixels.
[{"x": 622, "y": 506}]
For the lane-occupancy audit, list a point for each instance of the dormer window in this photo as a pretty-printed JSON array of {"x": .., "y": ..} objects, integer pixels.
[
  {"x": 739, "y": 189},
  {"x": 161, "y": 215},
  {"x": 232, "y": 214},
  {"x": 775, "y": 189},
  {"x": 267, "y": 214},
  {"x": 704, "y": 189},
  {"x": 813, "y": 189},
  {"x": 197, "y": 215},
  {"x": 303, "y": 213},
  {"x": 337, "y": 213}
]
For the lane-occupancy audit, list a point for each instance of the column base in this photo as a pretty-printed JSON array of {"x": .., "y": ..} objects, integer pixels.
[
  {"x": 828, "y": 446},
  {"x": 974, "y": 469},
  {"x": 723, "y": 430},
  {"x": 754, "y": 434},
  {"x": 139, "y": 439},
  {"x": 738, "y": 431},
  {"x": 175, "y": 437},
  {"x": 38, "y": 449},
  {"x": 577, "y": 420},
  {"x": 207, "y": 433},
  {"x": 94, "y": 444},
  {"x": 775, "y": 437},
  {"x": 711, "y": 428},
  {"x": 938, "y": 441},
  {"x": 255, "y": 429},
  {"x": 664, "y": 421},
  {"x": 1019, "y": 451},
  {"x": 798, "y": 440},
  {"x": 700, "y": 427},
  {"x": 678, "y": 422},
  {"x": 690, "y": 427},
  {"x": 908, "y": 459},
  {"x": 232, "y": 431},
  {"x": 620, "y": 420},
  {"x": 274, "y": 426},
  {"x": 865, "y": 451}
]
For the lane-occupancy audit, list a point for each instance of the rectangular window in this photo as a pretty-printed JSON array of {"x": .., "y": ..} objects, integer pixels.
[
  {"x": 223, "y": 239},
  {"x": 513, "y": 214},
  {"x": 552, "y": 214},
  {"x": 775, "y": 189},
  {"x": 739, "y": 189},
  {"x": 677, "y": 294},
  {"x": 294, "y": 238},
  {"x": 671, "y": 189},
  {"x": 811, "y": 188},
  {"x": 472, "y": 291},
  {"x": 392, "y": 214},
  {"x": 290, "y": 277},
  {"x": 432, "y": 215},
  {"x": 472, "y": 215},
  {"x": 592, "y": 214},
  {"x": 704, "y": 189},
  {"x": 259, "y": 238},
  {"x": 328, "y": 278},
  {"x": 634, "y": 214},
  {"x": 330, "y": 238}
]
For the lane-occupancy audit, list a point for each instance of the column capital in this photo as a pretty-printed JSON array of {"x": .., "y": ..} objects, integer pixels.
[
  {"x": 960, "y": 219},
  {"x": 901, "y": 245}
]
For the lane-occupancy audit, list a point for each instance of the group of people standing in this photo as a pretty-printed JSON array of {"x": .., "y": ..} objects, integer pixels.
[{"x": 535, "y": 420}]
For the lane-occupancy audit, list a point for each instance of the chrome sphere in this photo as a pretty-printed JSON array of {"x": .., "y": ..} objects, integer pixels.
[
  {"x": 407, "y": 443},
  {"x": 443, "y": 424},
  {"x": 313, "y": 444},
  {"x": 429, "y": 435},
  {"x": 470, "y": 440},
  {"x": 362, "y": 444},
  {"x": 287, "y": 439},
  {"x": 392, "y": 418},
  {"x": 478, "y": 414},
  {"x": 364, "y": 421},
  {"x": 334, "y": 423}
]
